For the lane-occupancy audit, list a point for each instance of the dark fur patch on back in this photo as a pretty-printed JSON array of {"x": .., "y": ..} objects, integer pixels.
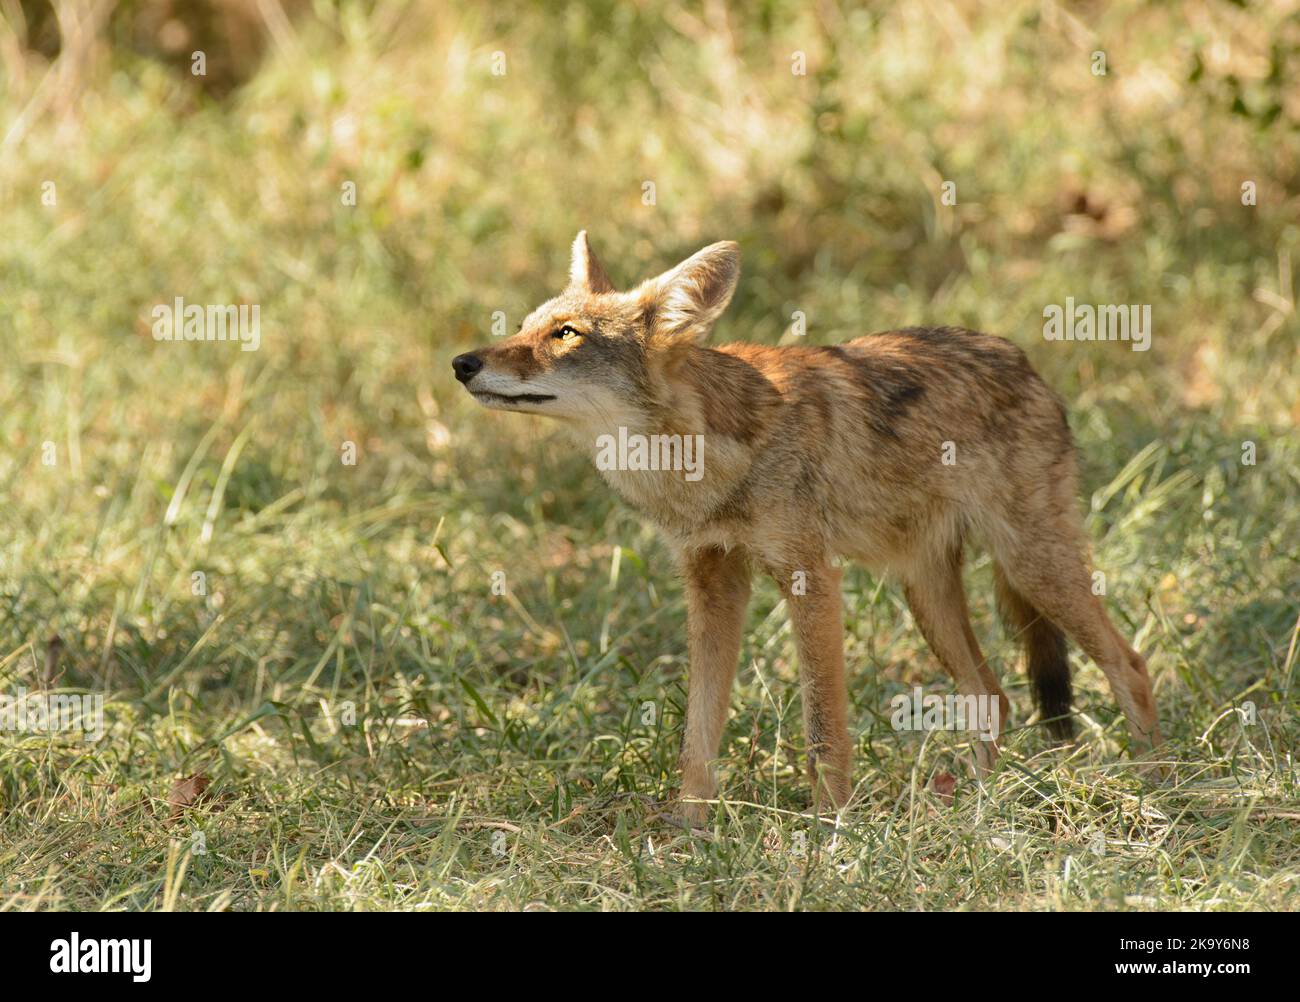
[
  {"x": 892, "y": 388},
  {"x": 1000, "y": 377}
]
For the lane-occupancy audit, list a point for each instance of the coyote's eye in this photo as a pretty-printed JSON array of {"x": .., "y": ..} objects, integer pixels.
[{"x": 566, "y": 333}]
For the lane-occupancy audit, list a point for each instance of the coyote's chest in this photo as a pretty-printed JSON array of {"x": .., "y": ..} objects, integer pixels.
[
  {"x": 683, "y": 484},
  {"x": 666, "y": 497}
]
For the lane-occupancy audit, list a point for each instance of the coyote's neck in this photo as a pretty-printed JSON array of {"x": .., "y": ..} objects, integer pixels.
[{"x": 678, "y": 454}]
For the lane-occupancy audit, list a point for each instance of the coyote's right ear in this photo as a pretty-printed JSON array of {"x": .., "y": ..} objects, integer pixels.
[
  {"x": 686, "y": 300},
  {"x": 585, "y": 272}
]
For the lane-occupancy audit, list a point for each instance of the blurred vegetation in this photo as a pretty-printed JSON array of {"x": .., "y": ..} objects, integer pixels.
[{"x": 371, "y": 584}]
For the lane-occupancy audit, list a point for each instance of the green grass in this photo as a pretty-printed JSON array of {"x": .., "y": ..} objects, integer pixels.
[{"x": 515, "y": 750}]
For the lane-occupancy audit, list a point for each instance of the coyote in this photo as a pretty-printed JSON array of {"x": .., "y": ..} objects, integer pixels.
[{"x": 892, "y": 450}]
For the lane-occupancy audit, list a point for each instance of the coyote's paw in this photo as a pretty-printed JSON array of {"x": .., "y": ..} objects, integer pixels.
[
  {"x": 1152, "y": 771},
  {"x": 694, "y": 812}
]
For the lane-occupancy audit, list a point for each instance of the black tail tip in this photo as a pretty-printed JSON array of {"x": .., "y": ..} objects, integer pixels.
[
  {"x": 1049, "y": 674},
  {"x": 1061, "y": 727},
  {"x": 1053, "y": 696}
]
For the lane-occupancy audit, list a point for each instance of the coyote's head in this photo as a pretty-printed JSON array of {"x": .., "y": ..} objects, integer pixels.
[{"x": 597, "y": 355}]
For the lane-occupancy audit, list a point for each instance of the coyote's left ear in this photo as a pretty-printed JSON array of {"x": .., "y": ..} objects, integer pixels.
[
  {"x": 585, "y": 272},
  {"x": 686, "y": 300}
]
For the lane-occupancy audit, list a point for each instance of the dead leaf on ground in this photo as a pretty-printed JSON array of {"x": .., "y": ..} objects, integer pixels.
[{"x": 186, "y": 793}]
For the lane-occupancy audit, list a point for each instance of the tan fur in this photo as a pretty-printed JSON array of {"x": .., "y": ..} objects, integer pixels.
[{"x": 814, "y": 453}]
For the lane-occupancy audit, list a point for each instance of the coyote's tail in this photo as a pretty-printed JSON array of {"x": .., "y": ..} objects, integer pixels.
[{"x": 1046, "y": 658}]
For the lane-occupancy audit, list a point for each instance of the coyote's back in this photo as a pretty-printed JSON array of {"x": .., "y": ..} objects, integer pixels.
[{"x": 888, "y": 445}]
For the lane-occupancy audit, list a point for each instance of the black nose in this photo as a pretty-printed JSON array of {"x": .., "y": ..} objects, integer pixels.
[{"x": 466, "y": 366}]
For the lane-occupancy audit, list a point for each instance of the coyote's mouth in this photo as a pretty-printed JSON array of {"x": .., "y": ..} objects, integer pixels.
[{"x": 486, "y": 396}]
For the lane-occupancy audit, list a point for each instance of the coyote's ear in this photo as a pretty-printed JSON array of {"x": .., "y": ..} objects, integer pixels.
[
  {"x": 686, "y": 300},
  {"x": 585, "y": 272}
]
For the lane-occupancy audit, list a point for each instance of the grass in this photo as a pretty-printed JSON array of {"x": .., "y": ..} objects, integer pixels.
[{"x": 451, "y": 675}]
